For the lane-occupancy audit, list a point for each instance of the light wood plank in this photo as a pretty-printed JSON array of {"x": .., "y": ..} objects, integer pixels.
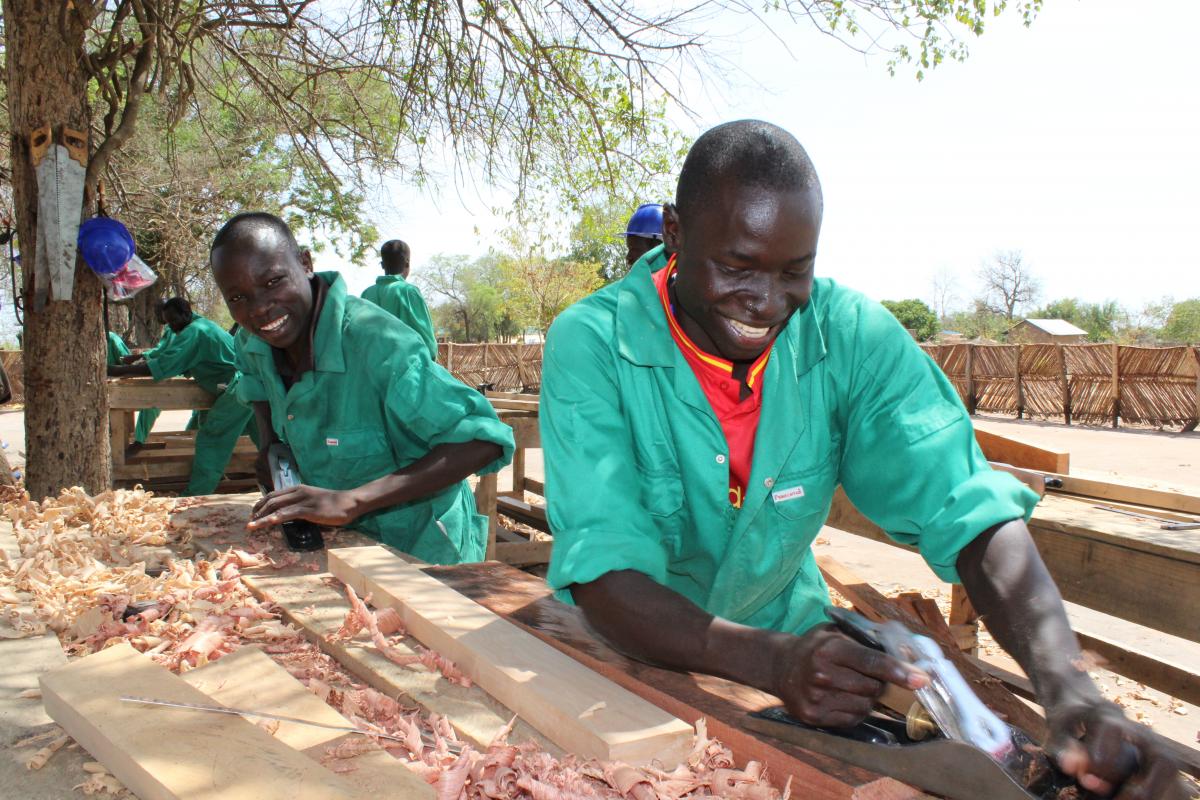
[
  {"x": 248, "y": 678},
  {"x": 1128, "y": 493},
  {"x": 572, "y": 706},
  {"x": 172, "y": 754},
  {"x": 175, "y": 393},
  {"x": 1019, "y": 453},
  {"x": 311, "y": 605}
]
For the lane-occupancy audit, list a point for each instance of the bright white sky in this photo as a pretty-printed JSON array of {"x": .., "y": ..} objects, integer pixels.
[{"x": 1074, "y": 141}]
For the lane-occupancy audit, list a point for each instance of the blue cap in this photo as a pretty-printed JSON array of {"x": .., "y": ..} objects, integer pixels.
[
  {"x": 105, "y": 244},
  {"x": 646, "y": 221}
]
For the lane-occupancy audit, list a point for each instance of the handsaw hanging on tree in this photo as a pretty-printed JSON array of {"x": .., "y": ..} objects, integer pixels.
[{"x": 60, "y": 170}]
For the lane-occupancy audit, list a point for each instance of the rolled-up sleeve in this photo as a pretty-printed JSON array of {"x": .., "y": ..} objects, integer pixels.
[
  {"x": 910, "y": 462},
  {"x": 176, "y": 357},
  {"x": 430, "y": 404},
  {"x": 592, "y": 487}
]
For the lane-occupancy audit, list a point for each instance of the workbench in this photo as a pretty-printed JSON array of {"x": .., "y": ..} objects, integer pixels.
[{"x": 164, "y": 462}]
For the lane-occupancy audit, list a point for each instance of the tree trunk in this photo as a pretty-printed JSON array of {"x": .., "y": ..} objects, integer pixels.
[{"x": 66, "y": 406}]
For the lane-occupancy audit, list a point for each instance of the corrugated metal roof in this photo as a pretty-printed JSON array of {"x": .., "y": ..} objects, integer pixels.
[{"x": 1057, "y": 327}]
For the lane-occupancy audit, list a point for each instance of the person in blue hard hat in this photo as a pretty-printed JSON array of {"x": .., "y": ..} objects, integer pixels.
[
  {"x": 644, "y": 232},
  {"x": 202, "y": 350}
]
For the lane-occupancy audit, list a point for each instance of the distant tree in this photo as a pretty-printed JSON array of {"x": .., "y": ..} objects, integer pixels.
[
  {"x": 1183, "y": 323},
  {"x": 945, "y": 291},
  {"x": 1008, "y": 283},
  {"x": 980, "y": 322},
  {"x": 538, "y": 289},
  {"x": 915, "y": 316},
  {"x": 473, "y": 307}
]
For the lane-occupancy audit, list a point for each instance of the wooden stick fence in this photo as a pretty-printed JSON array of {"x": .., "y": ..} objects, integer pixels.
[
  {"x": 1089, "y": 383},
  {"x": 500, "y": 367}
]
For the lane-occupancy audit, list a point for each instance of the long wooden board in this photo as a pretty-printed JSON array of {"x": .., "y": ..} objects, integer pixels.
[
  {"x": 1128, "y": 493},
  {"x": 310, "y": 604},
  {"x": 1020, "y": 453},
  {"x": 176, "y": 393},
  {"x": 248, "y": 678},
  {"x": 172, "y": 754},
  {"x": 527, "y": 602},
  {"x": 1111, "y": 563},
  {"x": 571, "y": 705}
]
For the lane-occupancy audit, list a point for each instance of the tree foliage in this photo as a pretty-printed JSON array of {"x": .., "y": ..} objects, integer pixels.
[
  {"x": 1183, "y": 323},
  {"x": 472, "y": 307},
  {"x": 915, "y": 316}
]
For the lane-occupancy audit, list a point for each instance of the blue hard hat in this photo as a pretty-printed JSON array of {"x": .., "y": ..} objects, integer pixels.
[
  {"x": 646, "y": 221},
  {"x": 105, "y": 244}
]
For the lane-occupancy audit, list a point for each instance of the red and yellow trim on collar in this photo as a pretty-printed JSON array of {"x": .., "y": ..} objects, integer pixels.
[{"x": 662, "y": 281}]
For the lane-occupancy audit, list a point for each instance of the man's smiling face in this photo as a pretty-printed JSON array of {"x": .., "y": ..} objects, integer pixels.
[
  {"x": 745, "y": 264},
  {"x": 265, "y": 282}
]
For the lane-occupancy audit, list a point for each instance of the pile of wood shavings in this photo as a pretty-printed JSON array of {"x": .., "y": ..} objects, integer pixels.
[{"x": 81, "y": 573}]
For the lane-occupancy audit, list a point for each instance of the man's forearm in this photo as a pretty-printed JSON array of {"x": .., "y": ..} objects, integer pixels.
[
  {"x": 654, "y": 624},
  {"x": 1010, "y": 587},
  {"x": 139, "y": 370},
  {"x": 443, "y": 466}
]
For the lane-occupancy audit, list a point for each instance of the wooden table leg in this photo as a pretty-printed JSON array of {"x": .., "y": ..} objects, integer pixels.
[{"x": 485, "y": 502}]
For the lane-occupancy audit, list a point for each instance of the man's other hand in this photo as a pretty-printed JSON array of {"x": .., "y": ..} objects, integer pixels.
[{"x": 1110, "y": 755}]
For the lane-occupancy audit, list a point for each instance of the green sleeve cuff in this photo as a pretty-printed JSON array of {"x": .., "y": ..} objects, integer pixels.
[{"x": 985, "y": 499}]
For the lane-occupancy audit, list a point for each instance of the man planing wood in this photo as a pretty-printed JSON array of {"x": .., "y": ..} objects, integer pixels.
[
  {"x": 383, "y": 437},
  {"x": 696, "y": 421}
]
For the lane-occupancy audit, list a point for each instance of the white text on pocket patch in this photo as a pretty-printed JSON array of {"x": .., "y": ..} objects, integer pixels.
[{"x": 783, "y": 495}]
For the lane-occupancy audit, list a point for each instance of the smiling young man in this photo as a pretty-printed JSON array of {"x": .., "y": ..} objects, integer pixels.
[
  {"x": 201, "y": 350},
  {"x": 696, "y": 422},
  {"x": 383, "y": 438}
]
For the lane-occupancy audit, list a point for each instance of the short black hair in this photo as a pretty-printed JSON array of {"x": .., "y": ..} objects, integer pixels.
[
  {"x": 749, "y": 152},
  {"x": 178, "y": 305},
  {"x": 246, "y": 225},
  {"x": 394, "y": 254}
]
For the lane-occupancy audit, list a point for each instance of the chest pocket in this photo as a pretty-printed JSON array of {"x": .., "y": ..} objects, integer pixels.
[
  {"x": 806, "y": 490},
  {"x": 355, "y": 456}
]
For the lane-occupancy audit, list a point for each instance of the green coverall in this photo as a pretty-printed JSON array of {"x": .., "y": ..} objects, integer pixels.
[
  {"x": 636, "y": 472},
  {"x": 205, "y": 352},
  {"x": 374, "y": 404},
  {"x": 403, "y": 301},
  {"x": 147, "y": 416},
  {"x": 116, "y": 349}
]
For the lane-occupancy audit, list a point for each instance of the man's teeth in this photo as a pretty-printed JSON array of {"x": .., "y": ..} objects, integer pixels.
[
  {"x": 747, "y": 331},
  {"x": 271, "y": 327}
]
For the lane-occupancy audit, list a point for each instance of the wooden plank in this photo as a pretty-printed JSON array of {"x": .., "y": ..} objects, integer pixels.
[
  {"x": 175, "y": 393},
  {"x": 525, "y": 431},
  {"x": 874, "y": 605},
  {"x": 185, "y": 450},
  {"x": 572, "y": 706},
  {"x": 524, "y": 554},
  {"x": 1128, "y": 493},
  {"x": 310, "y": 604},
  {"x": 242, "y": 464},
  {"x": 486, "y": 504},
  {"x": 171, "y": 753},
  {"x": 511, "y": 404},
  {"x": 1019, "y": 453},
  {"x": 118, "y": 436},
  {"x": 526, "y": 601},
  {"x": 521, "y": 510},
  {"x": 248, "y": 678},
  {"x": 535, "y": 486}
]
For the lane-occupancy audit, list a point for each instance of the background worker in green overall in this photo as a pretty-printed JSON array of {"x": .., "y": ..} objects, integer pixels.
[
  {"x": 117, "y": 349},
  {"x": 147, "y": 416},
  {"x": 696, "y": 421},
  {"x": 393, "y": 293},
  {"x": 383, "y": 437},
  {"x": 201, "y": 350}
]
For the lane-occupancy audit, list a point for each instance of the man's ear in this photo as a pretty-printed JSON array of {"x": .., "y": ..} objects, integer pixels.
[
  {"x": 306, "y": 262},
  {"x": 672, "y": 237}
]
